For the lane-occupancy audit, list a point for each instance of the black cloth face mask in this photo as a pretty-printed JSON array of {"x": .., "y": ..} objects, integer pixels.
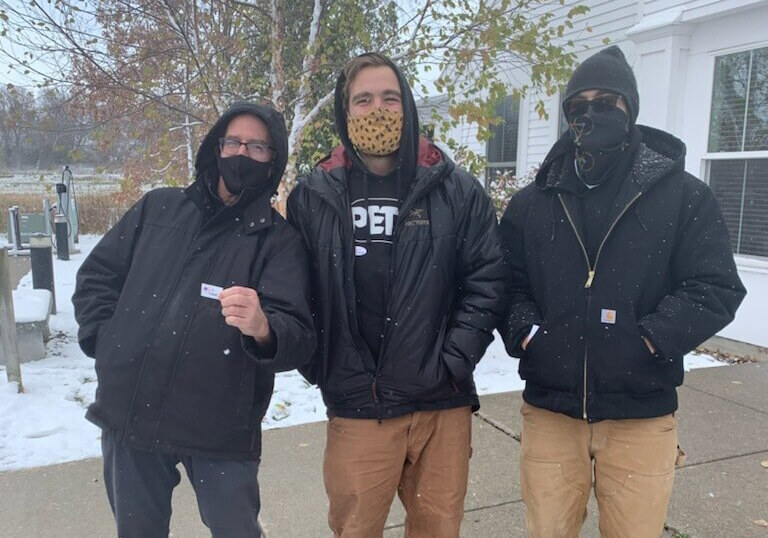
[
  {"x": 600, "y": 139},
  {"x": 245, "y": 177}
]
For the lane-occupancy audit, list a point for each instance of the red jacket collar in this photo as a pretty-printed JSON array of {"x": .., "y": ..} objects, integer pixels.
[{"x": 428, "y": 156}]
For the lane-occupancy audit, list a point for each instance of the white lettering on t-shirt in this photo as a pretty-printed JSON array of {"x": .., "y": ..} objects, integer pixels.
[
  {"x": 379, "y": 218},
  {"x": 360, "y": 217}
]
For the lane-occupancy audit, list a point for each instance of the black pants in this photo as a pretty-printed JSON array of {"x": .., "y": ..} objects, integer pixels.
[{"x": 140, "y": 483}]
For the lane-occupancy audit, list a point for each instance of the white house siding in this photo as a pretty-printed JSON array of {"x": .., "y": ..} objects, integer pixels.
[
  {"x": 606, "y": 19},
  {"x": 711, "y": 37},
  {"x": 671, "y": 45}
]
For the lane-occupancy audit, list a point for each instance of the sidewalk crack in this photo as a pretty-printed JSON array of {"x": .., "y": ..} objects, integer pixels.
[{"x": 745, "y": 406}]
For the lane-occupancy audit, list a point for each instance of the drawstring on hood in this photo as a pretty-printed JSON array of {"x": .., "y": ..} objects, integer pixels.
[
  {"x": 552, "y": 218},
  {"x": 637, "y": 215}
]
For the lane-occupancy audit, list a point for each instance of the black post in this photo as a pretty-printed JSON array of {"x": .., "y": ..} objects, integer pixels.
[
  {"x": 62, "y": 237},
  {"x": 41, "y": 259}
]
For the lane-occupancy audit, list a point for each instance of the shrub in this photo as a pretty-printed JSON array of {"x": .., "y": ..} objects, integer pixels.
[
  {"x": 98, "y": 210},
  {"x": 503, "y": 186}
]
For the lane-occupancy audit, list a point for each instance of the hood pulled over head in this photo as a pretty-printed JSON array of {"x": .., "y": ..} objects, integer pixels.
[
  {"x": 207, "y": 161},
  {"x": 407, "y": 152}
]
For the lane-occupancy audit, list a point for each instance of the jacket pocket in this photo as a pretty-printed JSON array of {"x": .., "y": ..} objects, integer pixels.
[
  {"x": 622, "y": 363},
  {"x": 553, "y": 358}
]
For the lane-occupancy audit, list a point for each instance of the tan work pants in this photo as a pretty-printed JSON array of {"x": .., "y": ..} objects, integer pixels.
[
  {"x": 424, "y": 456},
  {"x": 634, "y": 469}
]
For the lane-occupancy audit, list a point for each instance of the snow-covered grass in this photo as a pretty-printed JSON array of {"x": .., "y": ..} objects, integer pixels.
[
  {"x": 44, "y": 181},
  {"x": 45, "y": 424}
]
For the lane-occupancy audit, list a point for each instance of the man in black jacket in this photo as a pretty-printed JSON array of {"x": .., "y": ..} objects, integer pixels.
[
  {"x": 189, "y": 305},
  {"x": 620, "y": 264},
  {"x": 407, "y": 284}
]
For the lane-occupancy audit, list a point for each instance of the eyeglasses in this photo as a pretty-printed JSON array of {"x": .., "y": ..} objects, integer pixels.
[
  {"x": 602, "y": 103},
  {"x": 258, "y": 151}
]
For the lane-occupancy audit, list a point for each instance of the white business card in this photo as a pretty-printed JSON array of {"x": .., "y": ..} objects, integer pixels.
[{"x": 210, "y": 291}]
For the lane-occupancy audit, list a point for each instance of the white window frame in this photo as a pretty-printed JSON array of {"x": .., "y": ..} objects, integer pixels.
[
  {"x": 752, "y": 262},
  {"x": 490, "y": 166}
]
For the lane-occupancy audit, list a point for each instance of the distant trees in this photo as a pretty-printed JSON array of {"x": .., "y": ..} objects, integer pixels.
[{"x": 148, "y": 77}]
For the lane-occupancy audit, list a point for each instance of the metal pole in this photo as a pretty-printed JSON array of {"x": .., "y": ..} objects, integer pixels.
[
  {"x": 15, "y": 227},
  {"x": 8, "y": 324},
  {"x": 41, "y": 259},
  {"x": 47, "y": 214},
  {"x": 62, "y": 237}
]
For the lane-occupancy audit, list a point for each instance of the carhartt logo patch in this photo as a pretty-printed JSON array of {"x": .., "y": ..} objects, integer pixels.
[{"x": 608, "y": 316}]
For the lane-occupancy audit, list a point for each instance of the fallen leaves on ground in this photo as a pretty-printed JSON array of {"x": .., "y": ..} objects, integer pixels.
[{"x": 724, "y": 356}]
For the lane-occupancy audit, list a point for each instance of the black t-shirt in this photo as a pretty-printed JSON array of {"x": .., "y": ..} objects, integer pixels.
[{"x": 375, "y": 207}]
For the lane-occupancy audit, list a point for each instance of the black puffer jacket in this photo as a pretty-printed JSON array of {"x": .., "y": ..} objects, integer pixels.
[
  {"x": 172, "y": 375},
  {"x": 446, "y": 282},
  {"x": 665, "y": 270}
]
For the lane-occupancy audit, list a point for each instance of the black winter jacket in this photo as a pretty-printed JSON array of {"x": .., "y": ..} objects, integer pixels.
[
  {"x": 664, "y": 270},
  {"x": 172, "y": 376},
  {"x": 446, "y": 282}
]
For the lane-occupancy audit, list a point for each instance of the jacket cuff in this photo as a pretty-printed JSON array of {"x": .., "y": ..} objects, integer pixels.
[
  {"x": 457, "y": 367},
  {"x": 260, "y": 351},
  {"x": 87, "y": 338}
]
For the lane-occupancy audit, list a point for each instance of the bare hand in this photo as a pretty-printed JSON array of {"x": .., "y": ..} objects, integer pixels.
[
  {"x": 649, "y": 345},
  {"x": 241, "y": 308},
  {"x": 526, "y": 341}
]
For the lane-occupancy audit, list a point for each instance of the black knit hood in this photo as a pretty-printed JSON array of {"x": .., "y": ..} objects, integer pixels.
[
  {"x": 407, "y": 154},
  {"x": 205, "y": 163}
]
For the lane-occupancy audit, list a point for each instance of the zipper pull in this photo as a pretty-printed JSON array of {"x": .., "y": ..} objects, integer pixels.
[{"x": 590, "y": 278}]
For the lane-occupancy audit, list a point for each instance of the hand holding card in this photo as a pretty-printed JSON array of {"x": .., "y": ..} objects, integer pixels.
[{"x": 241, "y": 308}]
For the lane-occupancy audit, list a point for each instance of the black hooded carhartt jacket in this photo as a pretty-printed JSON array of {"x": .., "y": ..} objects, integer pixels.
[
  {"x": 445, "y": 289},
  {"x": 172, "y": 376},
  {"x": 664, "y": 270}
]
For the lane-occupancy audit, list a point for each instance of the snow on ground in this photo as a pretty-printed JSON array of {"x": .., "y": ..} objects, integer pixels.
[
  {"x": 43, "y": 182},
  {"x": 46, "y": 424}
]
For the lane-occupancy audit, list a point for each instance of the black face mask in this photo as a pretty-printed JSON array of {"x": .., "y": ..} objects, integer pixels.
[
  {"x": 600, "y": 138},
  {"x": 245, "y": 177}
]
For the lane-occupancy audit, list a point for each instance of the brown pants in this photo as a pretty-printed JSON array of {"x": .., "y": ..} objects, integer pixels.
[
  {"x": 423, "y": 456},
  {"x": 634, "y": 469}
]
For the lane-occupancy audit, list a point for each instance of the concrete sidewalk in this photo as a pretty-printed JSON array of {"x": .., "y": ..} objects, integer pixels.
[{"x": 719, "y": 493}]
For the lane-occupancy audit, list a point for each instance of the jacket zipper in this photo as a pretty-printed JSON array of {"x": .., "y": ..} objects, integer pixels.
[
  {"x": 591, "y": 269},
  {"x": 187, "y": 255},
  {"x": 350, "y": 242},
  {"x": 404, "y": 208}
]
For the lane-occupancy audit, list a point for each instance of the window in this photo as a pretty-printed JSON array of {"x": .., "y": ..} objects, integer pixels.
[
  {"x": 501, "y": 151},
  {"x": 737, "y": 162}
]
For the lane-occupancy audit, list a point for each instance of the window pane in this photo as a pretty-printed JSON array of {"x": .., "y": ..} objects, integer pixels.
[
  {"x": 729, "y": 102},
  {"x": 741, "y": 188},
  {"x": 726, "y": 179},
  {"x": 754, "y": 227},
  {"x": 757, "y": 111},
  {"x": 502, "y": 147}
]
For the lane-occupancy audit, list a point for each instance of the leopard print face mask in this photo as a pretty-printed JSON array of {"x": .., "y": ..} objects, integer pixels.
[{"x": 377, "y": 132}]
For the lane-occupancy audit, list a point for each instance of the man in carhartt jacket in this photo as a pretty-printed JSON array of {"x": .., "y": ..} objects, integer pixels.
[
  {"x": 407, "y": 285},
  {"x": 189, "y": 305},
  {"x": 620, "y": 264}
]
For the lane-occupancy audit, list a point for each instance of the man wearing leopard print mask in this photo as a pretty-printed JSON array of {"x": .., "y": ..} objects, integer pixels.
[{"x": 407, "y": 285}]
